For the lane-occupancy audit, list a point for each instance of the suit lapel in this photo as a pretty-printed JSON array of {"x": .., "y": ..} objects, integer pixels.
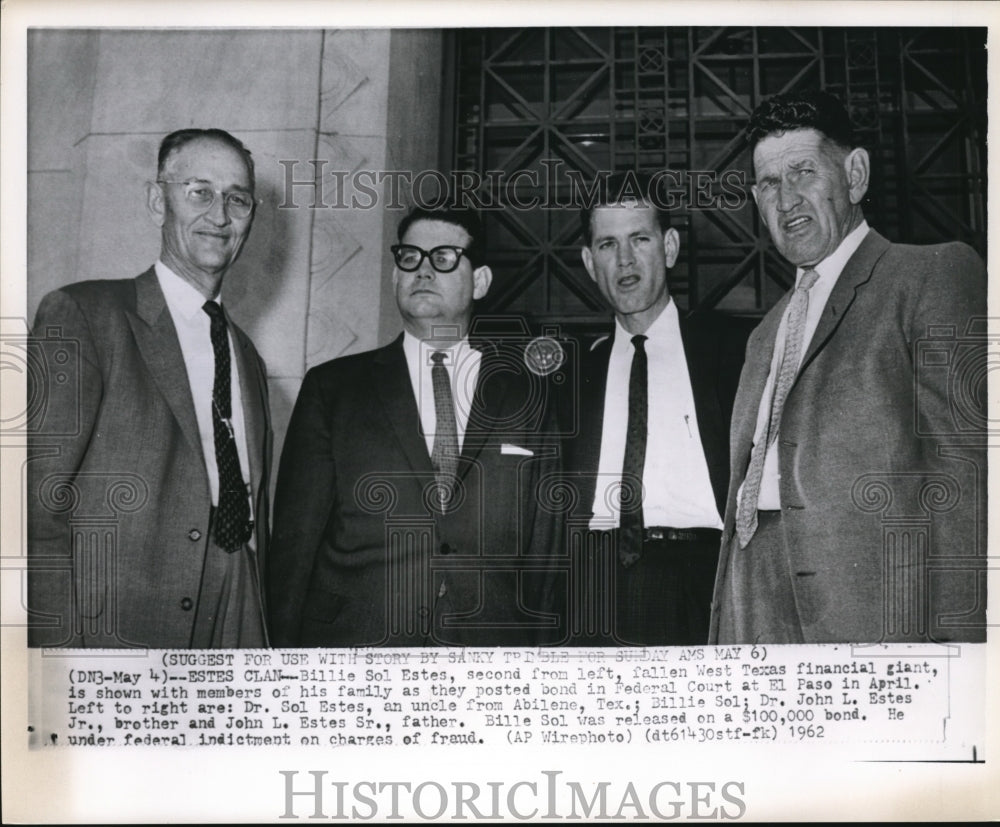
[
  {"x": 156, "y": 339},
  {"x": 701, "y": 352},
  {"x": 391, "y": 379},
  {"x": 492, "y": 387},
  {"x": 752, "y": 383},
  {"x": 584, "y": 452},
  {"x": 856, "y": 272},
  {"x": 595, "y": 381},
  {"x": 254, "y": 397}
]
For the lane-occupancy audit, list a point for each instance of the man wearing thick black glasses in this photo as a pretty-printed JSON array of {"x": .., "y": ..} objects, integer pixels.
[{"x": 407, "y": 509}]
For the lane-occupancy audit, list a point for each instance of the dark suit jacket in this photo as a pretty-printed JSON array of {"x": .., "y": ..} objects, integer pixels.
[
  {"x": 713, "y": 348},
  {"x": 881, "y": 444},
  {"x": 360, "y": 556},
  {"x": 595, "y": 596},
  {"x": 115, "y": 462}
]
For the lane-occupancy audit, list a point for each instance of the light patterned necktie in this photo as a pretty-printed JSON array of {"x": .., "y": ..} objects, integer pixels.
[
  {"x": 746, "y": 515},
  {"x": 444, "y": 456},
  {"x": 232, "y": 516}
]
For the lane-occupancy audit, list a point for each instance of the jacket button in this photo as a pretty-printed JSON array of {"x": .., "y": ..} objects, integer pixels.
[
  {"x": 194, "y": 535},
  {"x": 187, "y": 604}
]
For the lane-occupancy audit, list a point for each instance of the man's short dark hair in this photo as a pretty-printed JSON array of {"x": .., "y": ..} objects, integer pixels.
[
  {"x": 621, "y": 188},
  {"x": 810, "y": 109},
  {"x": 176, "y": 140},
  {"x": 464, "y": 217}
]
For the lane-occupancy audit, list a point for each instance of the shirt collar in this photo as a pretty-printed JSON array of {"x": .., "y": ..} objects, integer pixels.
[
  {"x": 657, "y": 332},
  {"x": 833, "y": 264},
  {"x": 182, "y": 298},
  {"x": 413, "y": 348}
]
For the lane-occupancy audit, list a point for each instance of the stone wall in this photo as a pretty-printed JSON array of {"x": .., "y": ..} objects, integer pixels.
[{"x": 312, "y": 283}]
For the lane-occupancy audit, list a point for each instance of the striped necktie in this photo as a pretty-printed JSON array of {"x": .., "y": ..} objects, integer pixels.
[
  {"x": 232, "y": 515},
  {"x": 444, "y": 456}
]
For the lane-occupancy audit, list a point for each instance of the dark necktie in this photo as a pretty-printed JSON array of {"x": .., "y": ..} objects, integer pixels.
[
  {"x": 630, "y": 527},
  {"x": 232, "y": 515},
  {"x": 444, "y": 456},
  {"x": 798, "y": 306}
]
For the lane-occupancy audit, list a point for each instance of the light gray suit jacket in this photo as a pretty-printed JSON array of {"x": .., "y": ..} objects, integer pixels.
[
  {"x": 881, "y": 450},
  {"x": 118, "y": 493}
]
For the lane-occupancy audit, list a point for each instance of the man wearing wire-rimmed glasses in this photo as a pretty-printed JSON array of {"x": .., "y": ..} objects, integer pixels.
[
  {"x": 407, "y": 509},
  {"x": 167, "y": 432}
]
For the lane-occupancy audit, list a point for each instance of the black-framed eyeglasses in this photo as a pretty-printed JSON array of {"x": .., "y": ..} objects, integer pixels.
[
  {"x": 444, "y": 259},
  {"x": 202, "y": 195}
]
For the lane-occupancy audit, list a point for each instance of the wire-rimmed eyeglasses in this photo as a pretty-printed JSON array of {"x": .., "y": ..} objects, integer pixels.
[{"x": 202, "y": 195}]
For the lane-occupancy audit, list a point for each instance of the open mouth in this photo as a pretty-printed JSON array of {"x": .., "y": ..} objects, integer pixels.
[
  {"x": 796, "y": 223},
  {"x": 628, "y": 281}
]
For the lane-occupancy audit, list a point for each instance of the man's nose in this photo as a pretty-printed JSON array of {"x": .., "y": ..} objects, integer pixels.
[
  {"x": 625, "y": 254},
  {"x": 217, "y": 212},
  {"x": 788, "y": 195},
  {"x": 426, "y": 269}
]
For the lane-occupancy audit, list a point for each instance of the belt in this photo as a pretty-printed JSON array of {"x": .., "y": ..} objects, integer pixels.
[
  {"x": 680, "y": 535},
  {"x": 666, "y": 534}
]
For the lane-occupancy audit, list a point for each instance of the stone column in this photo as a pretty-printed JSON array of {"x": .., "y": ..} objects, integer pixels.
[{"x": 312, "y": 283}]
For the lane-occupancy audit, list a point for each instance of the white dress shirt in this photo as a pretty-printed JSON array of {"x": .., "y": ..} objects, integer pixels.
[
  {"x": 462, "y": 363},
  {"x": 193, "y": 327},
  {"x": 677, "y": 490},
  {"x": 829, "y": 271}
]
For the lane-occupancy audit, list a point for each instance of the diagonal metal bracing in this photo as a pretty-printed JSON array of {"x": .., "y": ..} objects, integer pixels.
[
  {"x": 676, "y": 116},
  {"x": 589, "y": 85},
  {"x": 929, "y": 157},
  {"x": 515, "y": 96}
]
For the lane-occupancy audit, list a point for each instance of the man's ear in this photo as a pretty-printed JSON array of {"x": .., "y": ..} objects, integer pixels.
[
  {"x": 156, "y": 203},
  {"x": 857, "y": 168},
  {"x": 482, "y": 278},
  {"x": 588, "y": 262},
  {"x": 671, "y": 247},
  {"x": 753, "y": 191}
]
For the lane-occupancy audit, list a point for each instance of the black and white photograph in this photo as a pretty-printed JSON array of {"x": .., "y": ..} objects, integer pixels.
[{"x": 412, "y": 415}]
